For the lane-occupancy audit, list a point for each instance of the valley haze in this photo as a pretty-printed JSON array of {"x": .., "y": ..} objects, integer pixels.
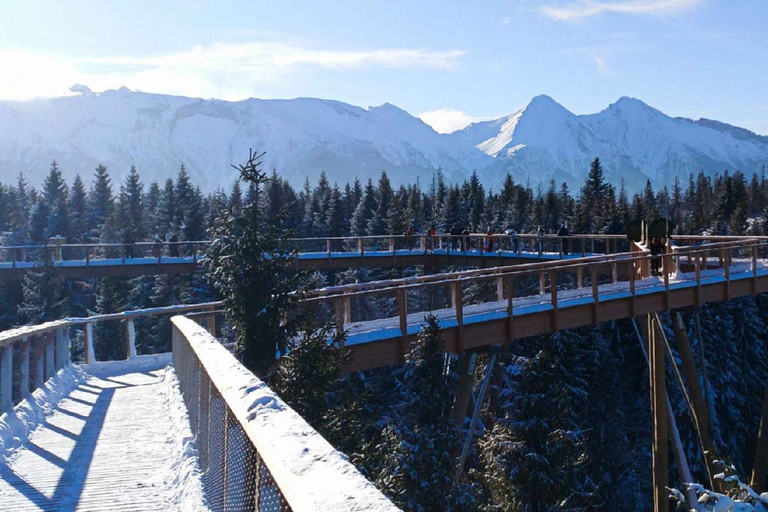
[{"x": 303, "y": 137}]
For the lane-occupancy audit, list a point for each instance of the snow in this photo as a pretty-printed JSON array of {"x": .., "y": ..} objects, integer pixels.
[
  {"x": 25, "y": 417},
  {"x": 104, "y": 436},
  {"x": 303, "y": 136},
  {"x": 311, "y": 473}
]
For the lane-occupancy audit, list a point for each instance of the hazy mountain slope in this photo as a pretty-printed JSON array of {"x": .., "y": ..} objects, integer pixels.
[{"x": 305, "y": 136}]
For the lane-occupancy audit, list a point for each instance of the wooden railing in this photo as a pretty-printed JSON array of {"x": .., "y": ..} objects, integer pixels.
[
  {"x": 166, "y": 251},
  {"x": 255, "y": 452},
  {"x": 42, "y": 350},
  {"x": 584, "y": 272}
]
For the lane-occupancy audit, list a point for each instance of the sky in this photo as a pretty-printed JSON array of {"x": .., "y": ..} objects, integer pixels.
[{"x": 449, "y": 62}]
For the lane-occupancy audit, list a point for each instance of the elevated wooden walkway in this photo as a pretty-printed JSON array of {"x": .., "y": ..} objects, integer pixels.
[{"x": 104, "y": 447}]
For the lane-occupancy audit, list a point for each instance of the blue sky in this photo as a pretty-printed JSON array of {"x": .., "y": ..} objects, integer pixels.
[{"x": 448, "y": 61}]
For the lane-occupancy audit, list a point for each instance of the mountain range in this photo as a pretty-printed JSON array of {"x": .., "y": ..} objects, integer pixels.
[{"x": 303, "y": 137}]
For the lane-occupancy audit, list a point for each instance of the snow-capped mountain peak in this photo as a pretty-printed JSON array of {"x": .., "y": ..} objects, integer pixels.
[{"x": 305, "y": 136}]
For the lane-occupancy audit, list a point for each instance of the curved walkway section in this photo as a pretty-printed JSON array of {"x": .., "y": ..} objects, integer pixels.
[{"x": 118, "y": 441}]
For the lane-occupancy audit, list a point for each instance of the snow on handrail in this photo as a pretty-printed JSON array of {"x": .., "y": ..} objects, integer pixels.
[{"x": 310, "y": 474}]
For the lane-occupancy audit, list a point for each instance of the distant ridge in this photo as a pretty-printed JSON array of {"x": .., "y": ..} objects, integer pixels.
[{"x": 305, "y": 136}]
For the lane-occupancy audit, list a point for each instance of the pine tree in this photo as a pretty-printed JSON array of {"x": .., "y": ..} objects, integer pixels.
[
  {"x": 132, "y": 207},
  {"x": 250, "y": 266},
  {"x": 43, "y": 289},
  {"x": 100, "y": 202},
  {"x": 78, "y": 205}
]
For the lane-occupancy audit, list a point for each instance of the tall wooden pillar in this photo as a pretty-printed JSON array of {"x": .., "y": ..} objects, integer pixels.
[
  {"x": 466, "y": 380},
  {"x": 659, "y": 416},
  {"x": 700, "y": 411}
]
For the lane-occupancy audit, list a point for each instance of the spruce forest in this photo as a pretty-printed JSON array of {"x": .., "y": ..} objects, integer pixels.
[{"x": 567, "y": 426}]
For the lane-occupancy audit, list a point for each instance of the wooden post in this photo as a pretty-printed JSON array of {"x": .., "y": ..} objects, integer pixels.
[
  {"x": 360, "y": 248},
  {"x": 347, "y": 310},
  {"x": 553, "y": 287},
  {"x": 458, "y": 307},
  {"x": 659, "y": 415},
  {"x": 700, "y": 411},
  {"x": 666, "y": 281},
  {"x": 727, "y": 271},
  {"x": 614, "y": 272},
  {"x": 90, "y": 356},
  {"x": 338, "y": 314},
  {"x": 761, "y": 450},
  {"x": 23, "y": 369},
  {"x": 754, "y": 270},
  {"x": 697, "y": 271},
  {"x": 130, "y": 336},
  {"x": 402, "y": 313},
  {"x": 595, "y": 294},
  {"x": 466, "y": 378},
  {"x": 211, "y": 320},
  {"x": 632, "y": 271},
  {"x": 37, "y": 362},
  {"x": 6, "y": 378},
  {"x": 62, "y": 348},
  {"x": 583, "y": 247},
  {"x": 510, "y": 309},
  {"x": 499, "y": 289},
  {"x": 328, "y": 250},
  {"x": 542, "y": 282},
  {"x": 580, "y": 277},
  {"x": 50, "y": 357}
]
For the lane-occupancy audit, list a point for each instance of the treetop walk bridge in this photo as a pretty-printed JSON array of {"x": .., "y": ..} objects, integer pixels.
[
  {"x": 151, "y": 258},
  {"x": 249, "y": 443},
  {"x": 139, "y": 434}
]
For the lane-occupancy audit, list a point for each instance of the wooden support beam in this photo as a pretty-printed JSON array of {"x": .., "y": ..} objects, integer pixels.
[
  {"x": 761, "y": 450},
  {"x": 510, "y": 309},
  {"x": 130, "y": 336},
  {"x": 402, "y": 313},
  {"x": 458, "y": 307},
  {"x": 542, "y": 282},
  {"x": 632, "y": 270},
  {"x": 595, "y": 295},
  {"x": 338, "y": 314},
  {"x": 90, "y": 355},
  {"x": 659, "y": 417},
  {"x": 211, "y": 320},
  {"x": 49, "y": 348},
  {"x": 553, "y": 287},
  {"x": 23, "y": 382},
  {"x": 6, "y": 378},
  {"x": 700, "y": 418},
  {"x": 466, "y": 380}
]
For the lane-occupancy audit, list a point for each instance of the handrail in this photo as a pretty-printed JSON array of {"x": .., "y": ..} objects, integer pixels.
[{"x": 231, "y": 408}]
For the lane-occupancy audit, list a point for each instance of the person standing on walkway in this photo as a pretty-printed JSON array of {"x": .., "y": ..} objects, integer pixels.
[
  {"x": 489, "y": 240},
  {"x": 513, "y": 240},
  {"x": 409, "y": 236},
  {"x": 173, "y": 246},
  {"x": 540, "y": 236},
  {"x": 465, "y": 245},
  {"x": 564, "y": 232},
  {"x": 455, "y": 237},
  {"x": 656, "y": 249},
  {"x": 128, "y": 243}
]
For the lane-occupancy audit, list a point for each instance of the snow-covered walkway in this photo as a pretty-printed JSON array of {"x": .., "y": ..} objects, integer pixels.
[{"x": 118, "y": 441}]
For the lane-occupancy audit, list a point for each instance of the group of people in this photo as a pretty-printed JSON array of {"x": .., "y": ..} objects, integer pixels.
[
  {"x": 129, "y": 245},
  {"x": 462, "y": 241}
]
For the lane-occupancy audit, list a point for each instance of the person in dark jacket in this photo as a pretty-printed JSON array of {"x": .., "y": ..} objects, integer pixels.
[
  {"x": 128, "y": 242},
  {"x": 173, "y": 246},
  {"x": 455, "y": 237},
  {"x": 656, "y": 249},
  {"x": 564, "y": 232}
]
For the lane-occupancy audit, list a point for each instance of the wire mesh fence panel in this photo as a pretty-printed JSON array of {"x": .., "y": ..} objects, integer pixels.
[
  {"x": 270, "y": 499},
  {"x": 217, "y": 450},
  {"x": 242, "y": 462},
  {"x": 110, "y": 341}
]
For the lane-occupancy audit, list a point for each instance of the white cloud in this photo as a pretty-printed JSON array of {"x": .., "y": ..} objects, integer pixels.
[
  {"x": 589, "y": 8},
  {"x": 506, "y": 21},
  {"x": 601, "y": 62},
  {"x": 448, "y": 120},
  {"x": 222, "y": 70}
]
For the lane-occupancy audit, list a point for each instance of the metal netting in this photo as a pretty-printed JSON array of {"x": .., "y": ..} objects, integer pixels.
[{"x": 234, "y": 475}]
